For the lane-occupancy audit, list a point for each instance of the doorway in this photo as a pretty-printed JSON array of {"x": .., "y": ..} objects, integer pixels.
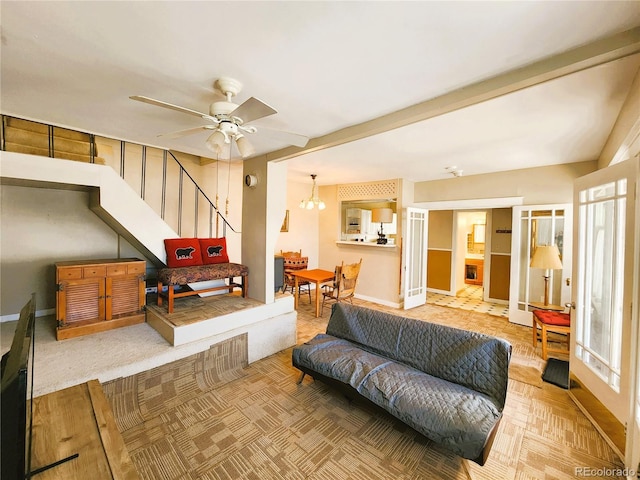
[
  {"x": 459, "y": 260},
  {"x": 470, "y": 249}
]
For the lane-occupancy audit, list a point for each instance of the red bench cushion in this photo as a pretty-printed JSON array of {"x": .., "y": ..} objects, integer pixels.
[
  {"x": 214, "y": 250},
  {"x": 182, "y": 252},
  {"x": 553, "y": 318}
]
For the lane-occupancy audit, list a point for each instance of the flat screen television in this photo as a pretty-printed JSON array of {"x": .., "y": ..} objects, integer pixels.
[{"x": 16, "y": 395}]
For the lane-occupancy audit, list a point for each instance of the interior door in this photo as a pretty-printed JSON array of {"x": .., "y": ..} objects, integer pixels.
[
  {"x": 415, "y": 258},
  {"x": 602, "y": 333},
  {"x": 534, "y": 225}
]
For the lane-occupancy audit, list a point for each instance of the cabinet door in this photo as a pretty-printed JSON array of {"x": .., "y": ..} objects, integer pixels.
[
  {"x": 81, "y": 300},
  {"x": 124, "y": 295}
]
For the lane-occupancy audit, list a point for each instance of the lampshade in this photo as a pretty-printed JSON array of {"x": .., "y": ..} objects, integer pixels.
[
  {"x": 216, "y": 141},
  {"x": 546, "y": 257},
  {"x": 382, "y": 215},
  {"x": 244, "y": 146}
]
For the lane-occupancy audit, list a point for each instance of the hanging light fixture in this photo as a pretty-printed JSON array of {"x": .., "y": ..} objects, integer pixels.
[
  {"x": 313, "y": 200},
  {"x": 227, "y": 131}
]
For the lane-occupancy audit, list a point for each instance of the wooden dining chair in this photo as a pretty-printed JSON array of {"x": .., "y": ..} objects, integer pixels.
[
  {"x": 291, "y": 264},
  {"x": 344, "y": 284}
]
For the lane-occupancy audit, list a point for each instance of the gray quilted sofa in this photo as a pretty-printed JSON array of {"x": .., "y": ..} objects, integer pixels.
[{"x": 448, "y": 384}]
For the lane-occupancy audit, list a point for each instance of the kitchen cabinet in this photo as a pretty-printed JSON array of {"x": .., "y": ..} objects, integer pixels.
[{"x": 473, "y": 271}]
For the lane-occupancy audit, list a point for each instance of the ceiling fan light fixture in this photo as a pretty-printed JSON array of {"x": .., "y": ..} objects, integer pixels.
[
  {"x": 216, "y": 141},
  {"x": 244, "y": 146}
]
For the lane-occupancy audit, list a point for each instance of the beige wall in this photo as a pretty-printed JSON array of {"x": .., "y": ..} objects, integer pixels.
[
  {"x": 41, "y": 226},
  {"x": 303, "y": 225},
  {"x": 542, "y": 185},
  {"x": 441, "y": 229},
  {"x": 379, "y": 277}
]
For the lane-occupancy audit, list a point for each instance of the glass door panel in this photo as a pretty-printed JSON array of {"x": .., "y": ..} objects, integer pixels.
[
  {"x": 604, "y": 341},
  {"x": 534, "y": 226},
  {"x": 415, "y": 261}
]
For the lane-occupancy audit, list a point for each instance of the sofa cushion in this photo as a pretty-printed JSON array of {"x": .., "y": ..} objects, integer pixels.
[
  {"x": 337, "y": 358},
  {"x": 214, "y": 250},
  {"x": 447, "y": 413},
  {"x": 474, "y": 360},
  {"x": 182, "y": 252}
]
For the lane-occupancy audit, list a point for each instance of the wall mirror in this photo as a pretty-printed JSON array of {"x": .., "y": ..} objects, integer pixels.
[
  {"x": 357, "y": 221},
  {"x": 478, "y": 232}
]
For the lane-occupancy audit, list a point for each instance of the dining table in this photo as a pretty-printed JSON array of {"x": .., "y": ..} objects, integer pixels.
[{"x": 317, "y": 276}]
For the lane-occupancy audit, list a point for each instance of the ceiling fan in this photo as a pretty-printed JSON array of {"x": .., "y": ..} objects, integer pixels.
[{"x": 228, "y": 121}]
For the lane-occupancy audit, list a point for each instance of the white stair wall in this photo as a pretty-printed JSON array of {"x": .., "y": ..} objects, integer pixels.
[{"x": 112, "y": 199}]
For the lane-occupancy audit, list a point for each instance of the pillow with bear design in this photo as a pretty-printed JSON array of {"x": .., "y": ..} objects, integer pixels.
[
  {"x": 214, "y": 250},
  {"x": 182, "y": 252}
]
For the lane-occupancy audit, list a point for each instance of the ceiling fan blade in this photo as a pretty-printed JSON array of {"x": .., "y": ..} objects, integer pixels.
[
  {"x": 171, "y": 106},
  {"x": 188, "y": 131},
  {"x": 253, "y": 109},
  {"x": 286, "y": 137}
]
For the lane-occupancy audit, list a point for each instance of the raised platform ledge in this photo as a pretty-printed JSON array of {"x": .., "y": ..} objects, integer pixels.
[{"x": 270, "y": 327}]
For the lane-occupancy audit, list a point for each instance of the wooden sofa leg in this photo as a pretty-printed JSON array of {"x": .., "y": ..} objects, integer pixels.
[{"x": 301, "y": 378}]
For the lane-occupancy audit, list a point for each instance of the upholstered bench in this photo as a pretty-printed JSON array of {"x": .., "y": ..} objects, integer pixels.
[
  {"x": 550, "y": 321},
  {"x": 188, "y": 265}
]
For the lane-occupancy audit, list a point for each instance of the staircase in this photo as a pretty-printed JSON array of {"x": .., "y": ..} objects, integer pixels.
[
  {"x": 24, "y": 136},
  {"x": 29, "y": 146}
]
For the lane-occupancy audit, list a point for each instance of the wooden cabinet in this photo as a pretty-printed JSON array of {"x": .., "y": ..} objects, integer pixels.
[
  {"x": 473, "y": 271},
  {"x": 97, "y": 295}
]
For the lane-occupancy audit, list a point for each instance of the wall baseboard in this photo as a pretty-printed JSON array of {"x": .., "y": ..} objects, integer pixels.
[
  {"x": 386, "y": 303},
  {"x": 39, "y": 313}
]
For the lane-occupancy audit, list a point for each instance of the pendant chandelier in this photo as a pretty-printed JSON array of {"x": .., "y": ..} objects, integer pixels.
[{"x": 313, "y": 200}]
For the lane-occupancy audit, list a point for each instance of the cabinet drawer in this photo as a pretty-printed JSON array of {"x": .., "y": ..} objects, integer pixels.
[
  {"x": 113, "y": 270},
  {"x": 95, "y": 271},
  {"x": 136, "y": 268},
  {"x": 69, "y": 273}
]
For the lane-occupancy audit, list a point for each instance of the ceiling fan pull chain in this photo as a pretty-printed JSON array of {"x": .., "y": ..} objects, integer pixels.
[
  {"x": 226, "y": 212},
  {"x": 217, "y": 197}
]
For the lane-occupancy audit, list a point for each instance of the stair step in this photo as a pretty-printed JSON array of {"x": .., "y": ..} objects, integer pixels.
[
  {"x": 36, "y": 127},
  {"x": 44, "y": 152}
]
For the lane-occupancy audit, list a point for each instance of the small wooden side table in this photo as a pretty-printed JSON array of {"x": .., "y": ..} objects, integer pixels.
[
  {"x": 318, "y": 276},
  {"x": 542, "y": 306}
]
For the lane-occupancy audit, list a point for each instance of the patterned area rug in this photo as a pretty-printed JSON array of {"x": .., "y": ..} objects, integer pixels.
[
  {"x": 234, "y": 423},
  {"x": 141, "y": 398},
  {"x": 189, "y": 310}
]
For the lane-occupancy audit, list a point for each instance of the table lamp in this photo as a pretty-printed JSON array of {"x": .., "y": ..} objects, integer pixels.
[
  {"x": 382, "y": 216},
  {"x": 546, "y": 257}
]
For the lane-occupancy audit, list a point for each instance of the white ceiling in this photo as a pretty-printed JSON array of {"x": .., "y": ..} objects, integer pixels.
[{"x": 324, "y": 66}]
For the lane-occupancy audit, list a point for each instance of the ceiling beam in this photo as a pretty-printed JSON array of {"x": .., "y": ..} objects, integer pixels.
[{"x": 572, "y": 61}]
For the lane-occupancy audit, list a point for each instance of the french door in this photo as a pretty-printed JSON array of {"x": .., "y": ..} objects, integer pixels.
[
  {"x": 532, "y": 226},
  {"x": 415, "y": 257},
  {"x": 604, "y": 340}
]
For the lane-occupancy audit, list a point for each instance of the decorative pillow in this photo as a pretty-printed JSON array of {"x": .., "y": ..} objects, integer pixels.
[
  {"x": 182, "y": 252},
  {"x": 214, "y": 250}
]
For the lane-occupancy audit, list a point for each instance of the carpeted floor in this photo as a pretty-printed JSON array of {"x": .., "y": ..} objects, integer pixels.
[{"x": 195, "y": 419}]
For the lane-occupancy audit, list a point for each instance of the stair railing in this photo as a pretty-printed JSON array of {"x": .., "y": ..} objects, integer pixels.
[{"x": 183, "y": 176}]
